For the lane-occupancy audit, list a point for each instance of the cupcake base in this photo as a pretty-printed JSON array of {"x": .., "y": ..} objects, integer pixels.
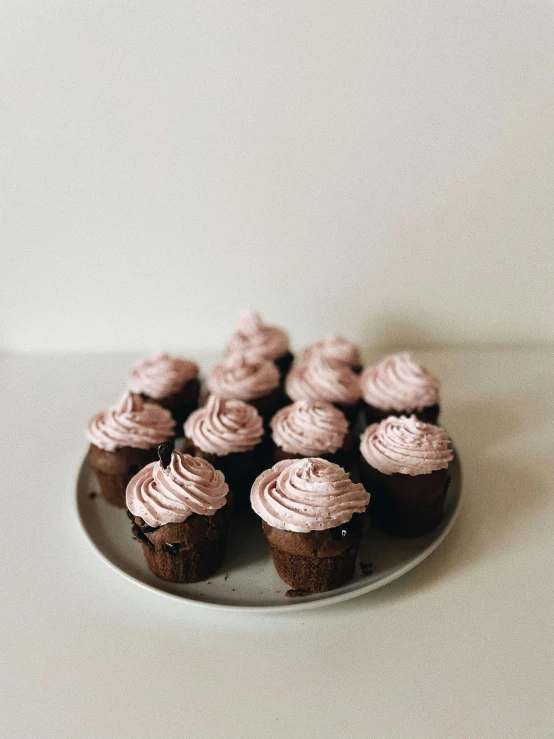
[
  {"x": 405, "y": 505},
  {"x": 375, "y": 415},
  {"x": 114, "y": 470},
  {"x": 268, "y": 405},
  {"x": 184, "y": 552},
  {"x": 180, "y": 404},
  {"x": 240, "y": 471},
  {"x": 316, "y": 561},
  {"x": 312, "y": 574},
  {"x": 284, "y": 364}
]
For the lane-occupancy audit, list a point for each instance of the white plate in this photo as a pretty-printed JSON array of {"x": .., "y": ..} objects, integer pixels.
[{"x": 247, "y": 580}]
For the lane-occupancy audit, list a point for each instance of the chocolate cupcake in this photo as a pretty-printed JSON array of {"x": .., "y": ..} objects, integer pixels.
[
  {"x": 326, "y": 379},
  {"x": 179, "y": 511},
  {"x": 229, "y": 435},
  {"x": 334, "y": 348},
  {"x": 169, "y": 381},
  {"x": 311, "y": 428},
  {"x": 255, "y": 381},
  {"x": 310, "y": 511},
  {"x": 123, "y": 440},
  {"x": 255, "y": 341},
  {"x": 399, "y": 386},
  {"x": 404, "y": 465}
]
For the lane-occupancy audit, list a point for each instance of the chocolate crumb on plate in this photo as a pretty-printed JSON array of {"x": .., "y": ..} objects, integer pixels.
[
  {"x": 295, "y": 593},
  {"x": 93, "y": 494},
  {"x": 366, "y": 568}
]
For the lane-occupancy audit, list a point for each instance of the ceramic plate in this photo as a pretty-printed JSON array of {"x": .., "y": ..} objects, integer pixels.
[{"x": 247, "y": 580}]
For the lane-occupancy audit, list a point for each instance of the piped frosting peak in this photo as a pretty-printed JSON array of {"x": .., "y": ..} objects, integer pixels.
[
  {"x": 307, "y": 495},
  {"x": 405, "y": 445}
]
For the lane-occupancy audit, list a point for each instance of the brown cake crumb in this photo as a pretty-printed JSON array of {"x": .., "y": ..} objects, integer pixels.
[
  {"x": 366, "y": 568},
  {"x": 92, "y": 495},
  {"x": 295, "y": 593}
]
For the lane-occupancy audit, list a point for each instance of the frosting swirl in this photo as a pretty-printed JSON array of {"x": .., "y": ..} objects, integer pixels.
[
  {"x": 239, "y": 378},
  {"x": 335, "y": 347},
  {"x": 405, "y": 445},
  {"x": 132, "y": 422},
  {"x": 225, "y": 426},
  {"x": 188, "y": 485},
  {"x": 399, "y": 384},
  {"x": 255, "y": 340},
  {"x": 161, "y": 375},
  {"x": 309, "y": 428},
  {"x": 307, "y": 495},
  {"x": 323, "y": 379}
]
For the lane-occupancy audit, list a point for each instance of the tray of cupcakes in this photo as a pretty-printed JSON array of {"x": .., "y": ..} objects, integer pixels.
[{"x": 278, "y": 484}]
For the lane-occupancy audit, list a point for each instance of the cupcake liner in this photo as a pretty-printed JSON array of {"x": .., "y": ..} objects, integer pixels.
[
  {"x": 186, "y": 552},
  {"x": 313, "y": 574},
  {"x": 405, "y": 505},
  {"x": 114, "y": 470}
]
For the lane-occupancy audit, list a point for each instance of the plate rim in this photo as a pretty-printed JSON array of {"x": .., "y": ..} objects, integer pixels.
[{"x": 300, "y": 605}]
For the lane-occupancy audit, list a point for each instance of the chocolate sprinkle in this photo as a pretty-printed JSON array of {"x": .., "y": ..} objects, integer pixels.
[
  {"x": 171, "y": 548},
  {"x": 137, "y": 532},
  {"x": 352, "y": 529},
  {"x": 165, "y": 451}
]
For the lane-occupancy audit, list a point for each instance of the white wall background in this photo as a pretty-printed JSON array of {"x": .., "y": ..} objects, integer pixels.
[{"x": 380, "y": 168}]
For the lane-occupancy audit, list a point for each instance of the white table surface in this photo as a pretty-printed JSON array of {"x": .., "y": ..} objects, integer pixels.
[{"x": 461, "y": 647}]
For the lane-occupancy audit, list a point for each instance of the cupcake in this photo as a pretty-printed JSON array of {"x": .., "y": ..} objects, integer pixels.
[
  {"x": 399, "y": 386},
  {"x": 123, "y": 440},
  {"x": 229, "y": 434},
  {"x": 337, "y": 348},
  {"x": 255, "y": 341},
  {"x": 325, "y": 379},
  {"x": 310, "y": 511},
  {"x": 178, "y": 507},
  {"x": 311, "y": 428},
  {"x": 169, "y": 381},
  {"x": 256, "y": 381},
  {"x": 404, "y": 465}
]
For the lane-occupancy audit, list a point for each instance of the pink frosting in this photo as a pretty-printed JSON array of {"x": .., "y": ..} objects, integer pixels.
[
  {"x": 335, "y": 347},
  {"x": 225, "y": 427},
  {"x": 399, "y": 384},
  {"x": 405, "y": 445},
  {"x": 309, "y": 428},
  {"x": 188, "y": 485},
  {"x": 323, "y": 379},
  {"x": 254, "y": 340},
  {"x": 239, "y": 378},
  {"x": 307, "y": 495},
  {"x": 132, "y": 422},
  {"x": 161, "y": 375}
]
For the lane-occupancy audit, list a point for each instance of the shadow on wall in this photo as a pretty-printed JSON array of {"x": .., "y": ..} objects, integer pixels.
[
  {"x": 471, "y": 262},
  {"x": 387, "y": 333},
  {"x": 393, "y": 333}
]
